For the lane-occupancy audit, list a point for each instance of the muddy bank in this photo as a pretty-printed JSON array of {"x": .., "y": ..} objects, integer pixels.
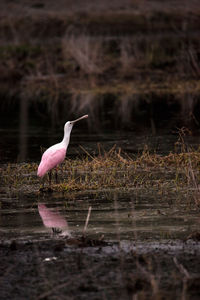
[{"x": 52, "y": 269}]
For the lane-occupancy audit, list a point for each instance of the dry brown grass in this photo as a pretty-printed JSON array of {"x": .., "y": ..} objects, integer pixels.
[{"x": 175, "y": 173}]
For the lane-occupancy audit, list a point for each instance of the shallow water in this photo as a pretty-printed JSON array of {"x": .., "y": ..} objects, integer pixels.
[{"x": 115, "y": 215}]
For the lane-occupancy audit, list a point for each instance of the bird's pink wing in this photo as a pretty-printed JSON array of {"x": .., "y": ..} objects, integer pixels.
[{"x": 50, "y": 159}]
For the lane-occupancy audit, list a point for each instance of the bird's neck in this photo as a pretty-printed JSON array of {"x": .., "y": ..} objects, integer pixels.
[{"x": 65, "y": 140}]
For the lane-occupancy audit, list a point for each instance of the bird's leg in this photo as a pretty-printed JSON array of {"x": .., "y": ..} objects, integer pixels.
[
  {"x": 56, "y": 175},
  {"x": 62, "y": 172},
  {"x": 43, "y": 183},
  {"x": 50, "y": 176}
]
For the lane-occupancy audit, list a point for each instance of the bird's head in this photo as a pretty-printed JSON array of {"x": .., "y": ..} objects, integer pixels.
[{"x": 69, "y": 125}]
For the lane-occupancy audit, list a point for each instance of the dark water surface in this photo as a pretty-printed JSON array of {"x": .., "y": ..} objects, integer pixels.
[{"x": 16, "y": 146}]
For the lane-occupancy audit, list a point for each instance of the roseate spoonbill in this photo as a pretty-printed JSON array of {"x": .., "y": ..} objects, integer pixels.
[{"x": 54, "y": 155}]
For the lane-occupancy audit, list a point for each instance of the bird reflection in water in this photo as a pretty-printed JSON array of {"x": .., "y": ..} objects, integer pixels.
[{"x": 54, "y": 220}]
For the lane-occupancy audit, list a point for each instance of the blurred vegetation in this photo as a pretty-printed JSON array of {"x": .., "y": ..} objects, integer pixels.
[{"x": 129, "y": 61}]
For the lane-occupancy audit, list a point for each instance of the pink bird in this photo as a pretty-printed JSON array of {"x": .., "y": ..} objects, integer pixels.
[{"x": 55, "y": 155}]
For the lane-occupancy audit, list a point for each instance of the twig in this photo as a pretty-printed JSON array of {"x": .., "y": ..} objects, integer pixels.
[
  {"x": 111, "y": 150},
  {"x": 181, "y": 268},
  {"x": 186, "y": 276},
  {"x": 87, "y": 152},
  {"x": 120, "y": 157},
  {"x": 87, "y": 220}
]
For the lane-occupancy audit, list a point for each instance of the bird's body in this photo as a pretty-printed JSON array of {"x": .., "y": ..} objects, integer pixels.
[
  {"x": 51, "y": 158},
  {"x": 55, "y": 155}
]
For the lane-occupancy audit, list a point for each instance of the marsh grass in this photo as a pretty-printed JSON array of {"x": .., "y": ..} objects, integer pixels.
[{"x": 175, "y": 173}]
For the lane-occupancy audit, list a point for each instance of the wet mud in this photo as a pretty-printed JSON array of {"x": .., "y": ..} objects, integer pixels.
[{"x": 57, "y": 269}]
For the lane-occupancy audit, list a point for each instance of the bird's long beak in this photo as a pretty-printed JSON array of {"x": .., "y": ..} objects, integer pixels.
[{"x": 83, "y": 117}]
